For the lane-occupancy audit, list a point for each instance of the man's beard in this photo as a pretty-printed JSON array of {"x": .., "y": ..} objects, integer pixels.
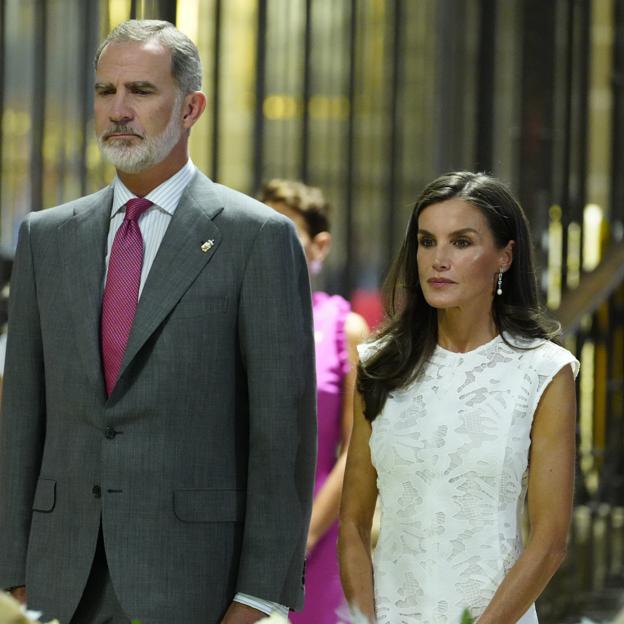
[{"x": 131, "y": 157}]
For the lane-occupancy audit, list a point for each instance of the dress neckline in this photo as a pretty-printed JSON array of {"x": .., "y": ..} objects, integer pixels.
[{"x": 481, "y": 347}]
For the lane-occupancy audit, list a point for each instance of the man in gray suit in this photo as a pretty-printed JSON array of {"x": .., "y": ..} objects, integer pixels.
[{"x": 156, "y": 458}]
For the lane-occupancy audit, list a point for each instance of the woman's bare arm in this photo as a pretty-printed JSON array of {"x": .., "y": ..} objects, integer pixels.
[
  {"x": 550, "y": 493},
  {"x": 359, "y": 496},
  {"x": 327, "y": 501}
]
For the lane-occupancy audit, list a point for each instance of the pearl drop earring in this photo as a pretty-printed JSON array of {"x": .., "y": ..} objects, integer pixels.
[
  {"x": 315, "y": 267},
  {"x": 499, "y": 290}
]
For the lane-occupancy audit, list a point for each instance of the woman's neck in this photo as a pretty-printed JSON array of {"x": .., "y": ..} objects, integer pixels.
[{"x": 460, "y": 332}]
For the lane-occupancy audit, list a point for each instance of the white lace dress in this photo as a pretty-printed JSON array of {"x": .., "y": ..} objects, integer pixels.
[{"x": 451, "y": 454}]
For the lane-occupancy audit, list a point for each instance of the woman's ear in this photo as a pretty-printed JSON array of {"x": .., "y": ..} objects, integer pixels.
[
  {"x": 319, "y": 246},
  {"x": 506, "y": 256}
]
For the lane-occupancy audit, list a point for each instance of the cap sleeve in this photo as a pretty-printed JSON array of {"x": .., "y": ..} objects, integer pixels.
[{"x": 552, "y": 358}]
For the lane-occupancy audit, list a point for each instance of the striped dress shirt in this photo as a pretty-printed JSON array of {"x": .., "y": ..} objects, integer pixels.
[{"x": 153, "y": 224}]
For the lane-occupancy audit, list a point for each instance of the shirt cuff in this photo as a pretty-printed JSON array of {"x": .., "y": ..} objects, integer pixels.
[{"x": 266, "y": 606}]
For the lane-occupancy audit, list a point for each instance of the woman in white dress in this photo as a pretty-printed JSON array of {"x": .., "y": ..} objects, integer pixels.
[{"x": 465, "y": 408}]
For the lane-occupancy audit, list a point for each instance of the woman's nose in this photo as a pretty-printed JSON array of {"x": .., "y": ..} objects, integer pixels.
[{"x": 440, "y": 260}]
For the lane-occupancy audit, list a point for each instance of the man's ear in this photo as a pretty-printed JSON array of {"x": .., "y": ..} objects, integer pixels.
[{"x": 194, "y": 106}]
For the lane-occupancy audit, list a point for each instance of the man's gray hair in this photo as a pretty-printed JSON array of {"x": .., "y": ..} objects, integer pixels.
[{"x": 185, "y": 63}]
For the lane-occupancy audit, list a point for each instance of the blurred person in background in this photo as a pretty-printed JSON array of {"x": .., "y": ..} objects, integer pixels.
[
  {"x": 6, "y": 265},
  {"x": 465, "y": 407},
  {"x": 337, "y": 332}
]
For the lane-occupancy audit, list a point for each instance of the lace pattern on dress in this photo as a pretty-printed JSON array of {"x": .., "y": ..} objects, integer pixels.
[{"x": 451, "y": 453}]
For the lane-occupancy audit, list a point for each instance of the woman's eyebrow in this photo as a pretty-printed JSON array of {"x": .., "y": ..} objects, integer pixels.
[{"x": 467, "y": 230}]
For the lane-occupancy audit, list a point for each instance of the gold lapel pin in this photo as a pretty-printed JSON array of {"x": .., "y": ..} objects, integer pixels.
[{"x": 207, "y": 245}]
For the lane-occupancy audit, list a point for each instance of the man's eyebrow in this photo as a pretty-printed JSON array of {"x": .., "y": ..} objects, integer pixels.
[
  {"x": 145, "y": 85},
  {"x": 141, "y": 84},
  {"x": 467, "y": 230}
]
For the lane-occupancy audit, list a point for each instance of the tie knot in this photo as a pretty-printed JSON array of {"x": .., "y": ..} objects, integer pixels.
[{"x": 136, "y": 207}]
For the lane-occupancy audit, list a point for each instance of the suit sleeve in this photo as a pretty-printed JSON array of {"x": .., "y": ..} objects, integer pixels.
[
  {"x": 22, "y": 426},
  {"x": 277, "y": 344}
]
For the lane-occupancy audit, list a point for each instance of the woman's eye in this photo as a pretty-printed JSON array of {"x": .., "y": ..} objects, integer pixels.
[
  {"x": 426, "y": 242},
  {"x": 462, "y": 242}
]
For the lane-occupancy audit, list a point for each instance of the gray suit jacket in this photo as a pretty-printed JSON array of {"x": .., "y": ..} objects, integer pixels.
[{"x": 200, "y": 464}]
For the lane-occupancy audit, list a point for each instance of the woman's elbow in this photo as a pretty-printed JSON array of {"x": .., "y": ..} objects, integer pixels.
[
  {"x": 352, "y": 534},
  {"x": 553, "y": 551},
  {"x": 555, "y": 557}
]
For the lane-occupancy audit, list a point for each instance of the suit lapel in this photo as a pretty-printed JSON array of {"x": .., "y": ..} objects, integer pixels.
[
  {"x": 82, "y": 243},
  {"x": 181, "y": 256}
]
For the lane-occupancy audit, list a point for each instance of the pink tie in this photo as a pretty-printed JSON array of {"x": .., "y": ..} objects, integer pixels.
[{"x": 121, "y": 292}]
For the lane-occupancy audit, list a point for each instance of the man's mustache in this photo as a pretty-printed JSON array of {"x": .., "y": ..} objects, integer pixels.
[{"x": 120, "y": 129}]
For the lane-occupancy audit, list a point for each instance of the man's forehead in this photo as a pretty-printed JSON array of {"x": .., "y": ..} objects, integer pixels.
[{"x": 134, "y": 57}]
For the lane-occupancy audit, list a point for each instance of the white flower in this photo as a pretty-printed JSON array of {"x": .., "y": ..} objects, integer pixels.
[
  {"x": 274, "y": 618},
  {"x": 12, "y": 612}
]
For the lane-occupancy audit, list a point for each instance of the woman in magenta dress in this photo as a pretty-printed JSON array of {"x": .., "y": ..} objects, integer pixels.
[{"x": 337, "y": 332}]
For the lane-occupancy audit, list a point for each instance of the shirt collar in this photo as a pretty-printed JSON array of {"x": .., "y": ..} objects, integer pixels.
[{"x": 165, "y": 196}]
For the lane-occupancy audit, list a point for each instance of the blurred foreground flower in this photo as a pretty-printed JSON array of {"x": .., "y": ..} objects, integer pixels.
[
  {"x": 12, "y": 612},
  {"x": 274, "y": 618}
]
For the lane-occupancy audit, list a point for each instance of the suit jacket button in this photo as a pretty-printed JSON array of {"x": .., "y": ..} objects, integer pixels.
[
  {"x": 97, "y": 491},
  {"x": 110, "y": 433}
]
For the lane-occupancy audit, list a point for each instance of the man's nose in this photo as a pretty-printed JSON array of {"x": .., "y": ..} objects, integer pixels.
[{"x": 120, "y": 110}]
